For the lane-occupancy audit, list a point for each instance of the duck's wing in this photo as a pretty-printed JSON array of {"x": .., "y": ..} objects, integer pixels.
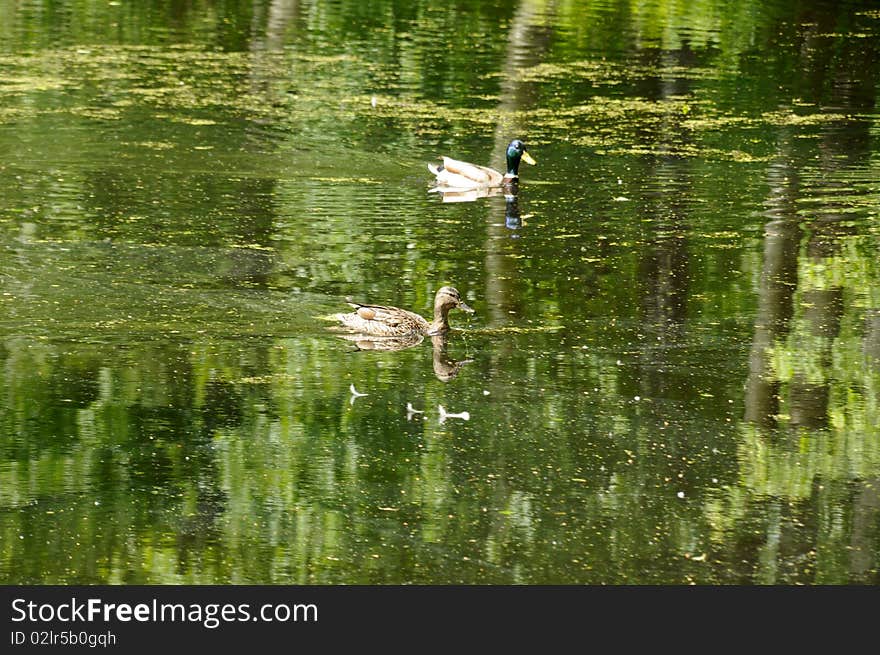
[
  {"x": 462, "y": 175},
  {"x": 447, "y": 181},
  {"x": 382, "y": 313},
  {"x": 475, "y": 172},
  {"x": 381, "y": 320}
]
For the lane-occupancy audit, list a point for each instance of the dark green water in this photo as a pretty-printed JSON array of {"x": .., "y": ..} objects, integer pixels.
[{"x": 675, "y": 371}]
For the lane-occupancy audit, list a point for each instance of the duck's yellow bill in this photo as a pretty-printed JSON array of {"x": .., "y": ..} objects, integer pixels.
[{"x": 527, "y": 158}]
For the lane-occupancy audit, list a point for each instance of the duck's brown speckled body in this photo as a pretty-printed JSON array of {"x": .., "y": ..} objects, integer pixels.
[{"x": 387, "y": 321}]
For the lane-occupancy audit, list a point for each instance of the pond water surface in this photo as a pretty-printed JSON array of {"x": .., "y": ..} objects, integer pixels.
[{"x": 673, "y": 372}]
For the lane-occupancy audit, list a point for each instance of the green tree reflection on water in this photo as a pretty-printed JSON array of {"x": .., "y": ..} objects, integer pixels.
[{"x": 673, "y": 375}]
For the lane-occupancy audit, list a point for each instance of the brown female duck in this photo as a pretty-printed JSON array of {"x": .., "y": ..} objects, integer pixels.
[{"x": 385, "y": 321}]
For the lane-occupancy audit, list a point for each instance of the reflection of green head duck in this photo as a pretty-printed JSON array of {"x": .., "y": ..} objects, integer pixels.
[
  {"x": 385, "y": 321},
  {"x": 455, "y": 175},
  {"x": 511, "y": 212}
]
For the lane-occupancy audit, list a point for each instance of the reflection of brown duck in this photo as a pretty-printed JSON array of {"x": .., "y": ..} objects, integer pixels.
[
  {"x": 366, "y": 342},
  {"x": 392, "y": 322},
  {"x": 445, "y": 368}
]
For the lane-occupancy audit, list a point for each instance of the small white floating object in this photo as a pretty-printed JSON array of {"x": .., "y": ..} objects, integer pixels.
[
  {"x": 445, "y": 415},
  {"x": 410, "y": 410},
  {"x": 354, "y": 394}
]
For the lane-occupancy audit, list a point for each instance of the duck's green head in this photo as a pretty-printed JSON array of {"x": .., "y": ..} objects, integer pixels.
[{"x": 516, "y": 151}]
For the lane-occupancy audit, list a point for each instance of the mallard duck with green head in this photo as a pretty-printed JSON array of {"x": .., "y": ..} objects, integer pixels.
[
  {"x": 455, "y": 175},
  {"x": 387, "y": 321}
]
